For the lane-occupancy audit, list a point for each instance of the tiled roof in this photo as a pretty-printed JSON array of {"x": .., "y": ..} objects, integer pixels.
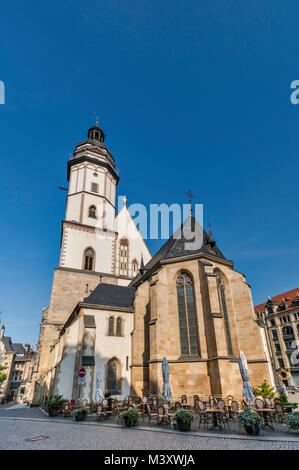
[
  {"x": 17, "y": 348},
  {"x": 290, "y": 294},
  {"x": 175, "y": 247},
  {"x": 111, "y": 295}
]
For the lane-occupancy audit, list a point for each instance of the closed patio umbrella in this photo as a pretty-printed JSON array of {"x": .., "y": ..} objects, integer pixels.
[
  {"x": 166, "y": 392},
  {"x": 247, "y": 390},
  {"x": 99, "y": 384}
]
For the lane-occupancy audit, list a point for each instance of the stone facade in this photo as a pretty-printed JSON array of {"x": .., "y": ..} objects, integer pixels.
[
  {"x": 88, "y": 336},
  {"x": 92, "y": 183},
  {"x": 157, "y": 333},
  {"x": 279, "y": 320},
  {"x": 19, "y": 361}
]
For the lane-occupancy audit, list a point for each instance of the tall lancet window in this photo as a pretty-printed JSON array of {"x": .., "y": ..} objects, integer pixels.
[
  {"x": 111, "y": 326},
  {"x": 113, "y": 382},
  {"x": 223, "y": 308},
  {"x": 123, "y": 257},
  {"x": 187, "y": 316},
  {"x": 89, "y": 259}
]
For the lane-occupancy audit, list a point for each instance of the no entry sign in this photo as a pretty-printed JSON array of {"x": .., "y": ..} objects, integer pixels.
[{"x": 82, "y": 372}]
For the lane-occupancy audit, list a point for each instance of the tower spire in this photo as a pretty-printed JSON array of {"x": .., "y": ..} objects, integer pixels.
[{"x": 190, "y": 196}]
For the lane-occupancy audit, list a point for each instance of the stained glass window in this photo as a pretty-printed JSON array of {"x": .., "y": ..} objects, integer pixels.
[
  {"x": 187, "y": 316},
  {"x": 223, "y": 308},
  {"x": 111, "y": 326},
  {"x": 118, "y": 326},
  {"x": 111, "y": 377}
]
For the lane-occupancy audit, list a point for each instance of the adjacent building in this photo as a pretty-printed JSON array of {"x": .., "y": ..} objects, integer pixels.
[
  {"x": 19, "y": 361},
  {"x": 279, "y": 317}
]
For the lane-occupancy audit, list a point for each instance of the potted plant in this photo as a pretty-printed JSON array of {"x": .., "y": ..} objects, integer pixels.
[
  {"x": 54, "y": 404},
  {"x": 80, "y": 413},
  {"x": 264, "y": 390},
  {"x": 130, "y": 418},
  {"x": 184, "y": 419},
  {"x": 292, "y": 421},
  {"x": 289, "y": 407},
  {"x": 250, "y": 421}
]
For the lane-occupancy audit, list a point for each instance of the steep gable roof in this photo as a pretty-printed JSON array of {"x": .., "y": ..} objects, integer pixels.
[
  {"x": 17, "y": 348},
  {"x": 111, "y": 295},
  {"x": 175, "y": 247}
]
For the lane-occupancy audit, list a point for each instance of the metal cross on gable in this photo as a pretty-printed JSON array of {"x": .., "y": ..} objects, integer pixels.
[{"x": 190, "y": 196}]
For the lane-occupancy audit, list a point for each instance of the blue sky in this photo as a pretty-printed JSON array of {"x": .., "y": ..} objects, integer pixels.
[{"x": 191, "y": 94}]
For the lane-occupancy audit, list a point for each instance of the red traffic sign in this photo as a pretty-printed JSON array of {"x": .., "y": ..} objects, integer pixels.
[{"x": 82, "y": 372}]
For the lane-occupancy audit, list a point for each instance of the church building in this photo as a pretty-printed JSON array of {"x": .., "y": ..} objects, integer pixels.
[
  {"x": 97, "y": 246},
  {"x": 117, "y": 318}
]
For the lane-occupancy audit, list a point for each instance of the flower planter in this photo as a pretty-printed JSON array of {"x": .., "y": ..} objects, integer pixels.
[
  {"x": 52, "y": 412},
  {"x": 184, "y": 427},
  {"x": 253, "y": 430}
]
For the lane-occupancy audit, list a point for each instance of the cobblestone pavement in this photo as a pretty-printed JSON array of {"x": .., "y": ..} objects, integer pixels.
[{"x": 20, "y": 423}]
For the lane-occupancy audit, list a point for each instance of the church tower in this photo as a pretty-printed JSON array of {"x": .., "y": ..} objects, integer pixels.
[
  {"x": 88, "y": 231},
  {"x": 96, "y": 245}
]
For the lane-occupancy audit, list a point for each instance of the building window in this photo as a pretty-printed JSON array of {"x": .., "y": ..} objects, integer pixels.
[
  {"x": 124, "y": 257},
  {"x": 118, "y": 326},
  {"x": 92, "y": 212},
  {"x": 274, "y": 335},
  {"x": 223, "y": 309},
  {"x": 187, "y": 316},
  {"x": 277, "y": 348},
  {"x": 112, "y": 374},
  {"x": 288, "y": 331},
  {"x": 272, "y": 322},
  {"x": 94, "y": 187},
  {"x": 281, "y": 363},
  {"x": 89, "y": 259},
  {"x": 111, "y": 326},
  {"x": 134, "y": 267}
]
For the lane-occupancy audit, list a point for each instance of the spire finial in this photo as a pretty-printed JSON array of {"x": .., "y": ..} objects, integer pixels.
[
  {"x": 97, "y": 119},
  {"x": 190, "y": 196},
  {"x": 210, "y": 233},
  {"x": 124, "y": 200},
  {"x": 141, "y": 269}
]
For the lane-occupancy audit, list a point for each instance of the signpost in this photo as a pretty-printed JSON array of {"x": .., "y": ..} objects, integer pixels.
[{"x": 81, "y": 380}]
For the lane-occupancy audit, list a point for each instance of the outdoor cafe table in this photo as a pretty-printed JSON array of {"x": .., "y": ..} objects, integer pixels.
[
  {"x": 264, "y": 414},
  {"x": 216, "y": 415}
]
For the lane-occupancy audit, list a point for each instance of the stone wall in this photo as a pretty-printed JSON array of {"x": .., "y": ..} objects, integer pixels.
[{"x": 156, "y": 332}]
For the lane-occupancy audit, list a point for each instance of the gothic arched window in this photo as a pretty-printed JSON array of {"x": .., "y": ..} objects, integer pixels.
[
  {"x": 112, "y": 377},
  {"x": 187, "y": 316},
  {"x": 111, "y": 326},
  {"x": 123, "y": 257},
  {"x": 89, "y": 259},
  {"x": 223, "y": 309},
  {"x": 92, "y": 212},
  {"x": 118, "y": 326}
]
